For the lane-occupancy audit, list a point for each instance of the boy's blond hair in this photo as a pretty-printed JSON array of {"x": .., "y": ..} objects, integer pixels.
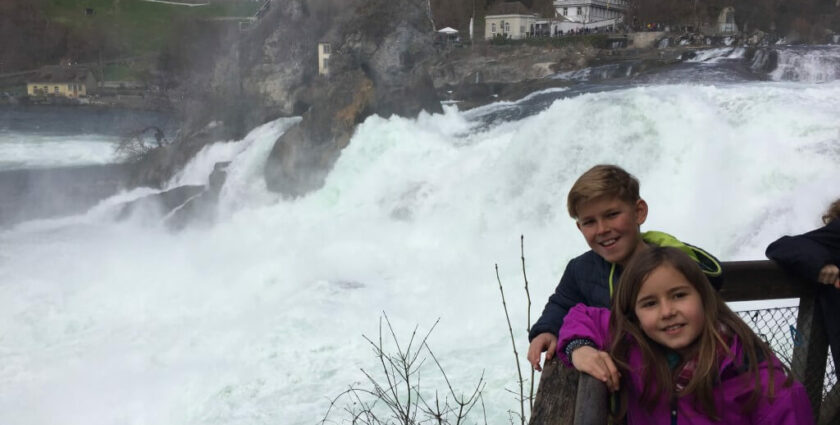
[
  {"x": 602, "y": 180},
  {"x": 833, "y": 212}
]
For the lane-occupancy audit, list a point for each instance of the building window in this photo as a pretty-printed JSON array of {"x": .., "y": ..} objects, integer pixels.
[
  {"x": 507, "y": 27},
  {"x": 579, "y": 11},
  {"x": 493, "y": 28},
  {"x": 522, "y": 29},
  {"x": 326, "y": 49},
  {"x": 565, "y": 11},
  {"x": 326, "y": 63},
  {"x": 55, "y": 89}
]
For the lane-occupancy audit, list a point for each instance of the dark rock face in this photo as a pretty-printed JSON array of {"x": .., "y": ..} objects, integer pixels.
[
  {"x": 182, "y": 205},
  {"x": 379, "y": 65}
]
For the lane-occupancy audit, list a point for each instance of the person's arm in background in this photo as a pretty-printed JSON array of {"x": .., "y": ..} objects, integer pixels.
[{"x": 805, "y": 257}]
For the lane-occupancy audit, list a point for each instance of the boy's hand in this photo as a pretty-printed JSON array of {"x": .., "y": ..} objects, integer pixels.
[
  {"x": 545, "y": 341},
  {"x": 598, "y": 364},
  {"x": 830, "y": 275}
]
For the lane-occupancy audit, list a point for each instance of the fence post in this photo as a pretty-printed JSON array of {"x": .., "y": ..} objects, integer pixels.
[
  {"x": 554, "y": 403},
  {"x": 809, "y": 357},
  {"x": 591, "y": 406}
]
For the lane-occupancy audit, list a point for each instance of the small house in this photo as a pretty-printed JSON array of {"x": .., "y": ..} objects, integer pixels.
[
  {"x": 63, "y": 81},
  {"x": 508, "y": 20},
  {"x": 324, "y": 52}
]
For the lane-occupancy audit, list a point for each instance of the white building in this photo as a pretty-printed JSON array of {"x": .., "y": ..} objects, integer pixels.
[
  {"x": 324, "y": 58},
  {"x": 591, "y": 12},
  {"x": 510, "y": 20}
]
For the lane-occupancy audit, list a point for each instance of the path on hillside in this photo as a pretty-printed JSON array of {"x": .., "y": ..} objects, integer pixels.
[{"x": 177, "y": 3}]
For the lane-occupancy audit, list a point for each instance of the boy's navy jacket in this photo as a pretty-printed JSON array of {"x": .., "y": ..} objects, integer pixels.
[
  {"x": 587, "y": 279},
  {"x": 808, "y": 253}
]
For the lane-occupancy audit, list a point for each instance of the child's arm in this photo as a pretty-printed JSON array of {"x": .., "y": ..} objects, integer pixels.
[
  {"x": 565, "y": 296},
  {"x": 543, "y": 334},
  {"x": 581, "y": 343},
  {"x": 802, "y": 255}
]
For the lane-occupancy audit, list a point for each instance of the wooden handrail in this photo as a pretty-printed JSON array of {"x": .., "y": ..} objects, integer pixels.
[{"x": 565, "y": 397}]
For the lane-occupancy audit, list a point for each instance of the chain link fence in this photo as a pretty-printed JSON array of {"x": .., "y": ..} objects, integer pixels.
[{"x": 777, "y": 326}]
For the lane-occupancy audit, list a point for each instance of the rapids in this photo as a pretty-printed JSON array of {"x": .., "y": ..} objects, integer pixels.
[{"x": 258, "y": 317}]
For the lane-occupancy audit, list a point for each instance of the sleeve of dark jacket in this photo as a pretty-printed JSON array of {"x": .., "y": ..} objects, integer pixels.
[
  {"x": 808, "y": 253},
  {"x": 565, "y": 296}
]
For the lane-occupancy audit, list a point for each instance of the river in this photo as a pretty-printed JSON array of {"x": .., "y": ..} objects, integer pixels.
[{"x": 258, "y": 317}]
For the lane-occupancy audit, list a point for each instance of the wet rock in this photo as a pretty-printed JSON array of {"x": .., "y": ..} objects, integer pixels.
[{"x": 378, "y": 65}]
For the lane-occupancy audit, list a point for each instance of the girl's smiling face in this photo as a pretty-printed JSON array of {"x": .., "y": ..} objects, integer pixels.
[{"x": 670, "y": 310}]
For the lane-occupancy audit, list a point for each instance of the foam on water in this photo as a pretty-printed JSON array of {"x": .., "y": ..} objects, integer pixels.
[
  {"x": 810, "y": 65},
  {"x": 258, "y": 318},
  {"x": 717, "y": 55},
  {"x": 25, "y": 150}
]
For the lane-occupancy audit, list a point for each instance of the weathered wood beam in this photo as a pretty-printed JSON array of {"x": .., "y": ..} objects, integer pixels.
[
  {"x": 759, "y": 280},
  {"x": 554, "y": 403},
  {"x": 830, "y": 410},
  {"x": 591, "y": 406},
  {"x": 809, "y": 357}
]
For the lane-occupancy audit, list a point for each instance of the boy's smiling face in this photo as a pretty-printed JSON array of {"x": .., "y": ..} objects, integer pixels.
[{"x": 611, "y": 227}]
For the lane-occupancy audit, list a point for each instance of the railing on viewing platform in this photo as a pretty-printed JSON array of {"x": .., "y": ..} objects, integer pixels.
[{"x": 566, "y": 397}]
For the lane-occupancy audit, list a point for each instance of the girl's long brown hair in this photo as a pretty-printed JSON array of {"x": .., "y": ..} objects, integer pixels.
[{"x": 658, "y": 377}]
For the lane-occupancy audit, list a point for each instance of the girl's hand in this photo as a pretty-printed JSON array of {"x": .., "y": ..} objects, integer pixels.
[
  {"x": 830, "y": 275},
  {"x": 598, "y": 364}
]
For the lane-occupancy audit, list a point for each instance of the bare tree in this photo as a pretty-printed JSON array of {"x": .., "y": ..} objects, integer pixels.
[
  {"x": 135, "y": 145},
  {"x": 393, "y": 395}
]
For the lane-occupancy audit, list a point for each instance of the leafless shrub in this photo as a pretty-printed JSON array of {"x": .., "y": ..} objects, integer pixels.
[
  {"x": 521, "y": 396},
  {"x": 134, "y": 145},
  {"x": 393, "y": 395}
]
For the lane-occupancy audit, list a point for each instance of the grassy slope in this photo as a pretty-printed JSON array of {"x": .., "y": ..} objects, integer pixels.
[{"x": 138, "y": 27}]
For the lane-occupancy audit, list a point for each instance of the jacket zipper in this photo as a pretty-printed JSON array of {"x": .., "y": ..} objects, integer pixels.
[{"x": 674, "y": 410}]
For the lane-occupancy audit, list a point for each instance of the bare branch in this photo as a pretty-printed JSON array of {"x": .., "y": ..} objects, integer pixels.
[
  {"x": 515, "y": 353},
  {"x": 528, "y": 298}
]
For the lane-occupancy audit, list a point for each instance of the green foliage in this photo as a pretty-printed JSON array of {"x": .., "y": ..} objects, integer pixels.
[
  {"x": 118, "y": 72},
  {"x": 137, "y": 27}
]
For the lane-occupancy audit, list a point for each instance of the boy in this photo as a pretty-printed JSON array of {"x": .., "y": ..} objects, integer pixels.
[{"x": 605, "y": 203}]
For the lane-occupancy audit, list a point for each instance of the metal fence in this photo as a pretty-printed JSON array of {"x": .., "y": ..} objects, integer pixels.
[{"x": 777, "y": 327}]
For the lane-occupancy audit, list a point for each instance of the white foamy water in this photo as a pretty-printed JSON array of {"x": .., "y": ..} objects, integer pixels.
[
  {"x": 27, "y": 150},
  {"x": 808, "y": 65},
  {"x": 717, "y": 55},
  {"x": 258, "y": 318}
]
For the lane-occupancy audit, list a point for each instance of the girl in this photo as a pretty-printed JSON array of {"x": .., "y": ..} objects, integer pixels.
[
  {"x": 816, "y": 257},
  {"x": 677, "y": 353}
]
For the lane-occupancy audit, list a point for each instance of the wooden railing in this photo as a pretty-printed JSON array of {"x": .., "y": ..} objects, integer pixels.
[{"x": 566, "y": 397}]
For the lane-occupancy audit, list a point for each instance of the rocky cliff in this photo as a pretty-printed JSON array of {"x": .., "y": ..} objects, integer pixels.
[
  {"x": 239, "y": 79},
  {"x": 379, "y": 65}
]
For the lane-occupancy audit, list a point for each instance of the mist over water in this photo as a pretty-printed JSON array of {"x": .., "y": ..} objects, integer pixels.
[
  {"x": 23, "y": 150},
  {"x": 258, "y": 317}
]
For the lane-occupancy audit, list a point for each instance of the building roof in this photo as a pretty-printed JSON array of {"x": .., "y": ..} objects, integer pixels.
[
  {"x": 61, "y": 74},
  {"x": 508, "y": 8}
]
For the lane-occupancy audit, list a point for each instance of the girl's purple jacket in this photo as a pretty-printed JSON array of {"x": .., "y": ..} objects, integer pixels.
[{"x": 789, "y": 406}]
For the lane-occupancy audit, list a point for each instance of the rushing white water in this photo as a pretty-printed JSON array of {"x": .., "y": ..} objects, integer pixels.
[
  {"x": 24, "y": 150},
  {"x": 716, "y": 55},
  {"x": 808, "y": 64},
  {"x": 258, "y": 318}
]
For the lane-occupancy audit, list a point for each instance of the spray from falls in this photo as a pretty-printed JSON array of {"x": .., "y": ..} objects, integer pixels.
[{"x": 258, "y": 317}]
